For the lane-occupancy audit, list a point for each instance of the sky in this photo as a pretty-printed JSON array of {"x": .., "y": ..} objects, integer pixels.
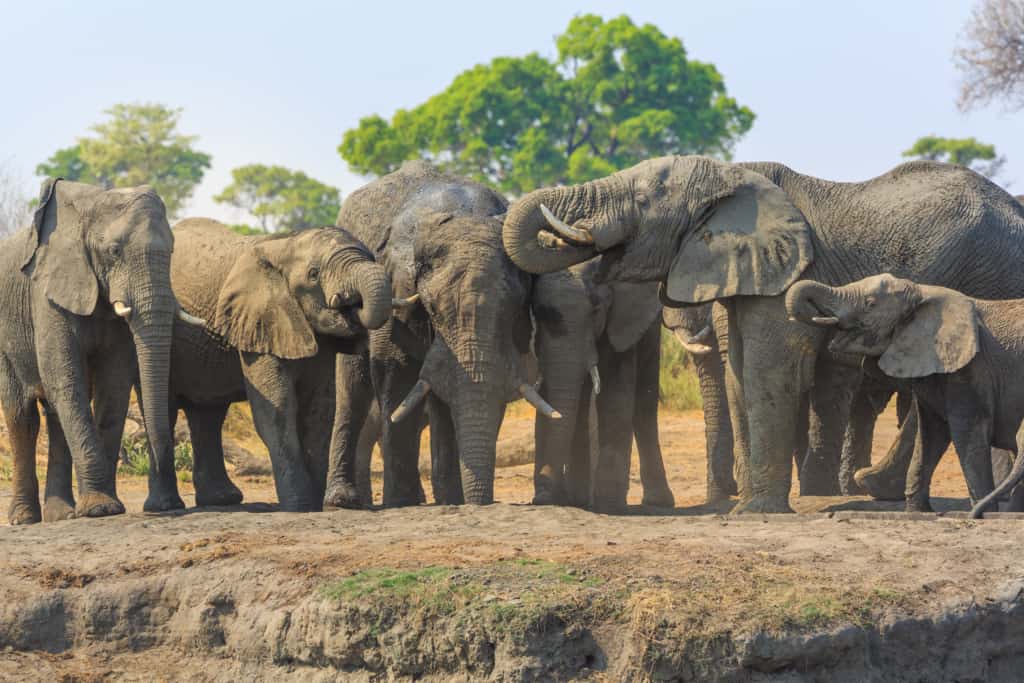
[{"x": 840, "y": 89}]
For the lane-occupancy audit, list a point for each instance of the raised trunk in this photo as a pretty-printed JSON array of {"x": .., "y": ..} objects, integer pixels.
[
  {"x": 525, "y": 222},
  {"x": 807, "y": 300},
  {"x": 374, "y": 288}
]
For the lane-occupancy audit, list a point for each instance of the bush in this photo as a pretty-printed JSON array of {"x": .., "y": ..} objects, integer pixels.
[
  {"x": 678, "y": 385},
  {"x": 137, "y": 458}
]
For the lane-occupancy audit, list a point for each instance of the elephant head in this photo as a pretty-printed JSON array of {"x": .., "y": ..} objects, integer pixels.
[
  {"x": 108, "y": 252},
  {"x": 914, "y": 330},
  {"x": 707, "y": 228},
  {"x": 692, "y": 327},
  {"x": 476, "y": 304},
  {"x": 285, "y": 290}
]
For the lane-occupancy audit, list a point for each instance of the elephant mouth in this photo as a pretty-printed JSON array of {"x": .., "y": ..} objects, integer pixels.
[
  {"x": 343, "y": 311},
  {"x": 608, "y": 267}
]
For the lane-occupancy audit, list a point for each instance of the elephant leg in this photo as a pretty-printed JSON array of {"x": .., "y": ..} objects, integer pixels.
[
  {"x": 112, "y": 392},
  {"x": 645, "y": 421},
  {"x": 212, "y": 483},
  {"x": 354, "y": 398},
  {"x": 931, "y": 439},
  {"x": 369, "y": 435},
  {"x": 445, "y": 474},
  {"x": 578, "y": 476},
  {"x": 868, "y": 402},
  {"x": 887, "y": 479},
  {"x": 972, "y": 435},
  {"x": 737, "y": 405},
  {"x": 22, "y": 421},
  {"x": 615, "y": 409},
  {"x": 316, "y": 392},
  {"x": 830, "y": 399},
  {"x": 274, "y": 400},
  {"x": 778, "y": 359},
  {"x": 58, "y": 501},
  {"x": 400, "y": 442}
]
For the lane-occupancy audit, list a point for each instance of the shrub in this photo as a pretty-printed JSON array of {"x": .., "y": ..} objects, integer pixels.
[{"x": 678, "y": 385}]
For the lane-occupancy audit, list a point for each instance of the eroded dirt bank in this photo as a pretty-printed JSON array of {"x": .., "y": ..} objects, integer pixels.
[{"x": 511, "y": 593}]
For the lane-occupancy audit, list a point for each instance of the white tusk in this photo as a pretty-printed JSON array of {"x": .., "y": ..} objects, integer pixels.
[
  {"x": 535, "y": 400},
  {"x": 121, "y": 310},
  {"x": 696, "y": 348},
  {"x": 415, "y": 396},
  {"x": 825, "y": 320},
  {"x": 595, "y": 379},
  {"x": 406, "y": 302},
  {"x": 565, "y": 230},
  {"x": 189, "y": 318}
]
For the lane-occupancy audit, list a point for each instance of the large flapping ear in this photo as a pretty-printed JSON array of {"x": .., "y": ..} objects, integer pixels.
[
  {"x": 755, "y": 241},
  {"x": 257, "y": 313},
  {"x": 55, "y": 255},
  {"x": 941, "y": 336},
  {"x": 634, "y": 308}
]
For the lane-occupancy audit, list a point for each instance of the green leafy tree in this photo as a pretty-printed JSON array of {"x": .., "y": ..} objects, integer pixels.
[
  {"x": 138, "y": 144},
  {"x": 968, "y": 152},
  {"x": 617, "y": 93},
  {"x": 281, "y": 199}
]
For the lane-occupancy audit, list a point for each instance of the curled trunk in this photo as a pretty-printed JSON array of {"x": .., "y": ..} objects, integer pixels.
[
  {"x": 374, "y": 288},
  {"x": 525, "y": 221},
  {"x": 807, "y": 301}
]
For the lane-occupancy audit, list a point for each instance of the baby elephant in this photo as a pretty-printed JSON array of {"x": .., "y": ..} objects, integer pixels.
[{"x": 962, "y": 358}]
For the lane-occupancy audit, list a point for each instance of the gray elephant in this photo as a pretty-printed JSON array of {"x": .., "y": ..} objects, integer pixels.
[
  {"x": 954, "y": 353},
  {"x": 85, "y": 301},
  {"x": 704, "y": 332},
  {"x": 742, "y": 234},
  {"x": 281, "y": 308},
  {"x": 602, "y": 339},
  {"x": 459, "y": 347}
]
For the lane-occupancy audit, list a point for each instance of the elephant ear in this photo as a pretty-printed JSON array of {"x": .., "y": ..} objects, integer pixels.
[
  {"x": 754, "y": 241},
  {"x": 634, "y": 308},
  {"x": 257, "y": 313},
  {"x": 55, "y": 255},
  {"x": 940, "y": 337}
]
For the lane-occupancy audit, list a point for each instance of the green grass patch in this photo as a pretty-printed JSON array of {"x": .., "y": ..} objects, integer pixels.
[
  {"x": 677, "y": 382},
  {"x": 137, "y": 465}
]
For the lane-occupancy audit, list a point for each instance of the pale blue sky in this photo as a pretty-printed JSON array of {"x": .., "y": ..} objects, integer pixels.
[{"x": 839, "y": 88}]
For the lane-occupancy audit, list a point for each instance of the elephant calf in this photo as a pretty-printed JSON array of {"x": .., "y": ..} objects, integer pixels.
[
  {"x": 962, "y": 358},
  {"x": 280, "y": 309}
]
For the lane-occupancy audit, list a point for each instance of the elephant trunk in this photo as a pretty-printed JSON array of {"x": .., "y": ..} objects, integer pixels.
[
  {"x": 814, "y": 303},
  {"x": 477, "y": 418},
  {"x": 374, "y": 287},
  {"x": 525, "y": 221}
]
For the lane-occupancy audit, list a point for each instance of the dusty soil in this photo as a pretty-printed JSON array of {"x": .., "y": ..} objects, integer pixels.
[{"x": 514, "y": 592}]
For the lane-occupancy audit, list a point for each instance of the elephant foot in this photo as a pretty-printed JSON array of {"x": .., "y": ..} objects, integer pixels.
[
  {"x": 919, "y": 505},
  {"x": 764, "y": 504},
  {"x": 302, "y": 506},
  {"x": 610, "y": 507},
  {"x": 225, "y": 494},
  {"x": 819, "y": 486},
  {"x": 343, "y": 495},
  {"x": 850, "y": 487},
  {"x": 22, "y": 512},
  {"x": 402, "y": 501},
  {"x": 659, "y": 498},
  {"x": 56, "y": 509},
  {"x": 716, "y": 496},
  {"x": 162, "y": 502},
  {"x": 881, "y": 483},
  {"x": 96, "y": 504}
]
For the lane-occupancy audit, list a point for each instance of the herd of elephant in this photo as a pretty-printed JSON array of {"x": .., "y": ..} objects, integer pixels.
[{"x": 806, "y": 305}]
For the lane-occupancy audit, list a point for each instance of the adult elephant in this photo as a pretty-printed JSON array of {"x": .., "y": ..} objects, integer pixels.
[
  {"x": 459, "y": 347},
  {"x": 605, "y": 340},
  {"x": 85, "y": 300},
  {"x": 710, "y": 230},
  {"x": 281, "y": 308},
  {"x": 703, "y": 331}
]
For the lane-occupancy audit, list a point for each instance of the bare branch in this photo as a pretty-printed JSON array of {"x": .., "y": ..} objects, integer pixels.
[
  {"x": 991, "y": 57},
  {"x": 14, "y": 204}
]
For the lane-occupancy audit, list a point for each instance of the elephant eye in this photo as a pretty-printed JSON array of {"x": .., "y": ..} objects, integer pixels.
[
  {"x": 314, "y": 274},
  {"x": 870, "y": 302},
  {"x": 115, "y": 250},
  {"x": 642, "y": 199}
]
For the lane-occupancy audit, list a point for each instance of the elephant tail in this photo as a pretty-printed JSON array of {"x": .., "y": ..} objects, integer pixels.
[{"x": 1011, "y": 480}]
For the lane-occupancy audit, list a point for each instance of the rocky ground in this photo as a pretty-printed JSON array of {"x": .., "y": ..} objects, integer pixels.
[{"x": 511, "y": 592}]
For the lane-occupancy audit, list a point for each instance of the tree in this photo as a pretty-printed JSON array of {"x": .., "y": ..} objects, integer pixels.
[
  {"x": 963, "y": 151},
  {"x": 617, "y": 93},
  {"x": 139, "y": 144},
  {"x": 14, "y": 204},
  {"x": 991, "y": 57},
  {"x": 281, "y": 199}
]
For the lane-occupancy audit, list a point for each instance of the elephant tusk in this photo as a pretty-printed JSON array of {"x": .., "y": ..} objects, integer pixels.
[
  {"x": 688, "y": 343},
  {"x": 415, "y": 396},
  {"x": 189, "y": 318},
  {"x": 825, "y": 320},
  {"x": 535, "y": 400},
  {"x": 122, "y": 310},
  {"x": 570, "y": 233},
  {"x": 407, "y": 302},
  {"x": 595, "y": 379}
]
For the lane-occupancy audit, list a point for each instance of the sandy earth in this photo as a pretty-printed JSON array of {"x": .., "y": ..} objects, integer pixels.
[{"x": 669, "y": 572}]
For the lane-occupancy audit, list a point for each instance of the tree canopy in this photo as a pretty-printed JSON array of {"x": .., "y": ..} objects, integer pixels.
[
  {"x": 138, "y": 145},
  {"x": 616, "y": 94},
  {"x": 991, "y": 55},
  {"x": 281, "y": 199},
  {"x": 968, "y": 152}
]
